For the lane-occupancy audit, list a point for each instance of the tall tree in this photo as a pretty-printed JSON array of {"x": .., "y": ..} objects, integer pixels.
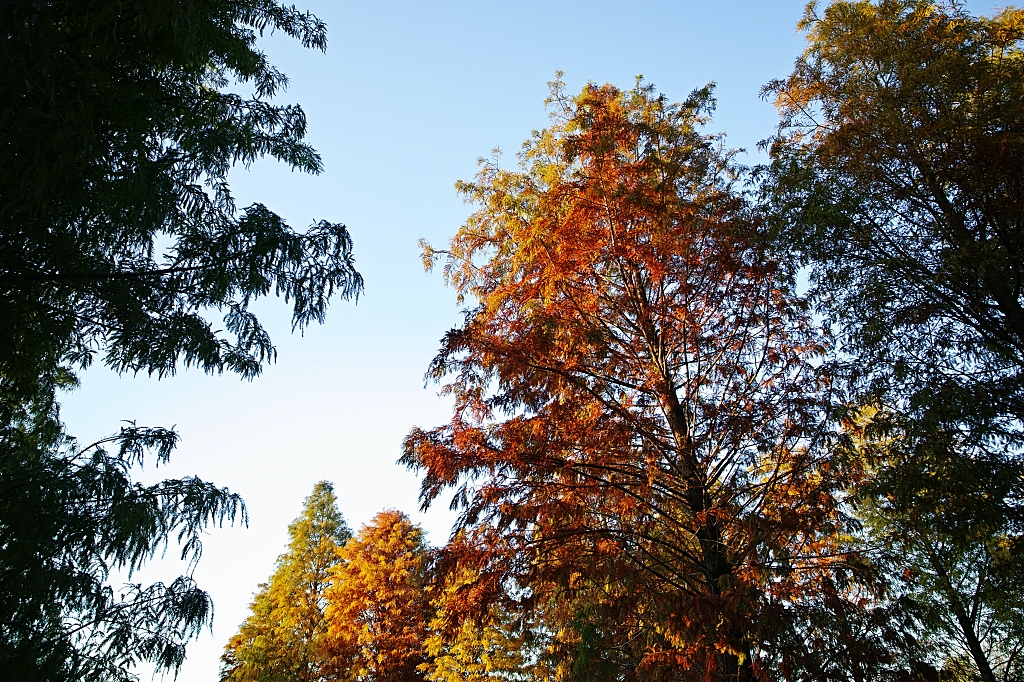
[
  {"x": 896, "y": 177},
  {"x": 120, "y": 240},
  {"x": 638, "y": 400},
  {"x": 379, "y": 605},
  {"x": 282, "y": 639}
]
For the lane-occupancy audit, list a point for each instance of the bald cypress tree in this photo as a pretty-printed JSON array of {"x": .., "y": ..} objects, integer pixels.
[
  {"x": 380, "y": 603},
  {"x": 279, "y": 640}
]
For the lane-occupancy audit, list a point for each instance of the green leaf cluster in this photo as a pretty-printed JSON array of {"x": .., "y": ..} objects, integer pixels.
[
  {"x": 895, "y": 179},
  {"x": 120, "y": 241},
  {"x": 120, "y": 234},
  {"x": 71, "y": 516}
]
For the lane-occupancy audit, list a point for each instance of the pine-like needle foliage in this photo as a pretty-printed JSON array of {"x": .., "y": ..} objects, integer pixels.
[
  {"x": 68, "y": 518},
  {"x": 120, "y": 240},
  {"x": 282, "y": 638}
]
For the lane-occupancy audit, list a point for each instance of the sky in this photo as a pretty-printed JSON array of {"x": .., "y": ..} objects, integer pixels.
[{"x": 406, "y": 99}]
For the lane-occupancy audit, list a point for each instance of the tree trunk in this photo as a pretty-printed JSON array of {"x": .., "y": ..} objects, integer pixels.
[
  {"x": 963, "y": 620},
  {"x": 716, "y": 563}
]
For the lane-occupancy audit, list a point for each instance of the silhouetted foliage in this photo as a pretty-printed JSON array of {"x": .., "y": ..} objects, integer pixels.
[
  {"x": 896, "y": 179},
  {"x": 119, "y": 238},
  {"x": 68, "y": 518},
  {"x": 119, "y": 229}
]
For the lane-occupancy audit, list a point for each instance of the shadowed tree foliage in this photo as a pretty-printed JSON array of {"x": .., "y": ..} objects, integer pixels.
[
  {"x": 72, "y": 515},
  {"x": 119, "y": 230},
  {"x": 282, "y": 639},
  {"x": 896, "y": 178},
  {"x": 120, "y": 240}
]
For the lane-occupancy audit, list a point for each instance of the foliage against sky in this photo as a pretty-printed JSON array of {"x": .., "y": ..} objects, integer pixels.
[
  {"x": 121, "y": 231},
  {"x": 282, "y": 639},
  {"x": 895, "y": 177},
  {"x": 72, "y": 516},
  {"x": 664, "y": 467},
  {"x": 637, "y": 389},
  {"x": 119, "y": 238}
]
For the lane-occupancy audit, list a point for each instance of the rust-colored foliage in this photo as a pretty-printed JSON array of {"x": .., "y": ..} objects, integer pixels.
[
  {"x": 637, "y": 393},
  {"x": 378, "y": 604}
]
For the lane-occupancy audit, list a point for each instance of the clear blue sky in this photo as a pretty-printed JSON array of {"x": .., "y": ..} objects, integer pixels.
[{"x": 407, "y": 97}]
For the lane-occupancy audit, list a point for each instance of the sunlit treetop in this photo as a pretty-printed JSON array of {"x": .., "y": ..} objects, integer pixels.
[{"x": 638, "y": 390}]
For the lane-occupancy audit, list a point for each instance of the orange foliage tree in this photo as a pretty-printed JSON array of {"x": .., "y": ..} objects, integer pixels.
[
  {"x": 378, "y": 603},
  {"x": 639, "y": 397}
]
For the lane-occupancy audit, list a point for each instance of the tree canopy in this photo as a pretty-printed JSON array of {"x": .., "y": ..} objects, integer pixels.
[
  {"x": 282, "y": 639},
  {"x": 707, "y": 423},
  {"x": 378, "y": 603},
  {"x": 120, "y": 233},
  {"x": 120, "y": 240},
  {"x": 895, "y": 178},
  {"x": 637, "y": 390},
  {"x": 70, "y": 517}
]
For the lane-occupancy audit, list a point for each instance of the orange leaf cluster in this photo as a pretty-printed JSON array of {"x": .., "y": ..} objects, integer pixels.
[
  {"x": 639, "y": 401},
  {"x": 378, "y": 604}
]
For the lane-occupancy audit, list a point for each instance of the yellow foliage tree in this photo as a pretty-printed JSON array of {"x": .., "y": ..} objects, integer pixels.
[
  {"x": 378, "y": 603},
  {"x": 484, "y": 649},
  {"x": 280, "y": 641}
]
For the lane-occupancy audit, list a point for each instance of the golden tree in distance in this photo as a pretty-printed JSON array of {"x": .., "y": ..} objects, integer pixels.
[
  {"x": 494, "y": 644},
  {"x": 379, "y": 604},
  {"x": 280, "y": 640}
]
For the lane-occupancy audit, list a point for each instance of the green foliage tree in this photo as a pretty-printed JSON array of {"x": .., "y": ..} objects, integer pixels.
[
  {"x": 119, "y": 239},
  {"x": 119, "y": 228},
  {"x": 72, "y": 515},
  {"x": 944, "y": 520},
  {"x": 282, "y": 639},
  {"x": 896, "y": 177}
]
